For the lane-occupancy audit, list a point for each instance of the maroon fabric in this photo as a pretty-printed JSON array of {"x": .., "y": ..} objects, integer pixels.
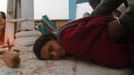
[{"x": 88, "y": 39}]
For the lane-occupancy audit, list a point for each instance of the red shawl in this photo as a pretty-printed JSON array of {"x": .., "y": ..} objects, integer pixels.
[{"x": 88, "y": 39}]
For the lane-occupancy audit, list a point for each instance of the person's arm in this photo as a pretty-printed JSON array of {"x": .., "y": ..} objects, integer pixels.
[
  {"x": 115, "y": 30},
  {"x": 106, "y": 7},
  {"x": 127, "y": 18}
]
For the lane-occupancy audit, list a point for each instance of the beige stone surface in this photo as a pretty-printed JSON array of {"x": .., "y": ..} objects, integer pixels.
[
  {"x": 26, "y": 38},
  {"x": 30, "y": 65}
]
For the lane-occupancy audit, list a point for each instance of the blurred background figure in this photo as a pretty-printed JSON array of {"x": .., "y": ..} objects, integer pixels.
[
  {"x": 2, "y": 27},
  {"x": 94, "y": 3}
]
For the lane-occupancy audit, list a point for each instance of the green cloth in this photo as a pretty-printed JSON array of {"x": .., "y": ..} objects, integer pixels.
[{"x": 43, "y": 29}]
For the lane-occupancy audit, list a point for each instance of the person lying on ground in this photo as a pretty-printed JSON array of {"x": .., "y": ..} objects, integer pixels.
[{"x": 90, "y": 38}]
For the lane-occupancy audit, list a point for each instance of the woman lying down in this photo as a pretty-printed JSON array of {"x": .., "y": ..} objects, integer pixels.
[{"x": 94, "y": 39}]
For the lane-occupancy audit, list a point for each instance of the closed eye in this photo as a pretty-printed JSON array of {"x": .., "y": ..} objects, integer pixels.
[{"x": 50, "y": 48}]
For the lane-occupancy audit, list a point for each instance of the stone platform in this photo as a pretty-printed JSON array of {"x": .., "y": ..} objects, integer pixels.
[{"x": 30, "y": 65}]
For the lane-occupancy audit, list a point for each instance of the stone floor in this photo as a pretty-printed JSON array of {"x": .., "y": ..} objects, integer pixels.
[{"x": 30, "y": 65}]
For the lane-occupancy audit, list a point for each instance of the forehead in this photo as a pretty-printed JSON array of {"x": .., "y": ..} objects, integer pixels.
[{"x": 44, "y": 51}]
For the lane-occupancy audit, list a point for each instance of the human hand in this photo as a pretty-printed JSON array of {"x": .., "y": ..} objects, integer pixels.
[{"x": 115, "y": 29}]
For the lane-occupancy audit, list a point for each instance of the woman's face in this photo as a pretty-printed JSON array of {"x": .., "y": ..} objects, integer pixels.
[{"x": 52, "y": 50}]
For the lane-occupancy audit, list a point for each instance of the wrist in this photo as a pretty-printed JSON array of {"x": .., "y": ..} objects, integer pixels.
[{"x": 117, "y": 19}]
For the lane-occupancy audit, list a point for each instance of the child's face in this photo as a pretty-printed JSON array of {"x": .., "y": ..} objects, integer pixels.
[{"x": 52, "y": 50}]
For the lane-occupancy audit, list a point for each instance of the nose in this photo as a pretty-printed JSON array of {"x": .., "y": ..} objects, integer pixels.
[{"x": 56, "y": 54}]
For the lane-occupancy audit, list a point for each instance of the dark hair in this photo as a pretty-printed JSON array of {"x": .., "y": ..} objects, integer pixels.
[
  {"x": 94, "y": 3},
  {"x": 3, "y": 15},
  {"x": 41, "y": 41}
]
